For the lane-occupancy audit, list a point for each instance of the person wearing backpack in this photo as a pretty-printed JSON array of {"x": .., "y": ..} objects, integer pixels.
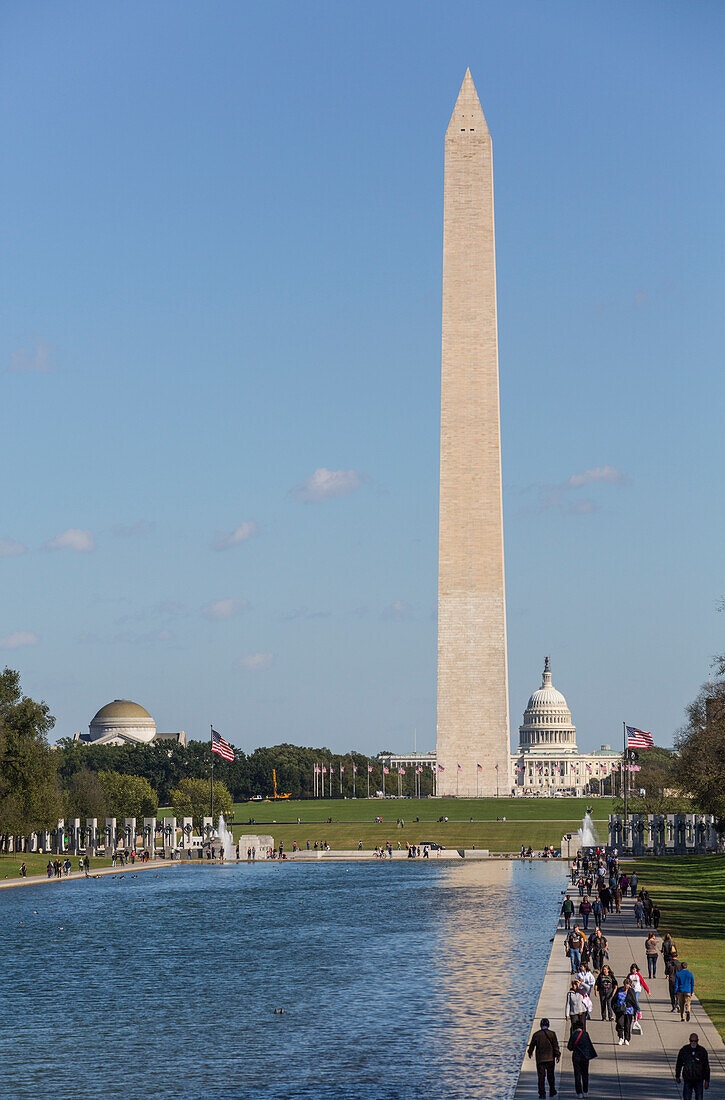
[
  {"x": 672, "y": 967},
  {"x": 546, "y": 1045},
  {"x": 693, "y": 1066},
  {"x": 582, "y": 1052},
  {"x": 625, "y": 1007}
]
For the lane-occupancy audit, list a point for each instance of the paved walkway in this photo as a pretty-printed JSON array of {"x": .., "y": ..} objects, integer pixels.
[{"x": 645, "y": 1070}]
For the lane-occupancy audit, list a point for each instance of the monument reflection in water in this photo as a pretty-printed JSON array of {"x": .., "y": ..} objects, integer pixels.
[{"x": 398, "y": 980}]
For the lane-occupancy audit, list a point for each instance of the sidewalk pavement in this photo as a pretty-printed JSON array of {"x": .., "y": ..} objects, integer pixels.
[{"x": 644, "y": 1070}]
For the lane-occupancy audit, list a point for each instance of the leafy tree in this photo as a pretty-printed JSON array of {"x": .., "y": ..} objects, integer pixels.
[
  {"x": 84, "y": 795},
  {"x": 29, "y": 795},
  {"x": 128, "y": 795},
  {"x": 700, "y": 765},
  {"x": 192, "y": 798}
]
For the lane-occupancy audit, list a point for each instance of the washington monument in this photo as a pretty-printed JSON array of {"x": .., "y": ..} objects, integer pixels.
[{"x": 473, "y": 721}]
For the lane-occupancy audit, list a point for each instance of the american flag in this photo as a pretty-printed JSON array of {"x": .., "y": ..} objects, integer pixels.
[
  {"x": 386, "y": 771},
  {"x": 354, "y": 769},
  {"x": 342, "y": 769},
  {"x": 218, "y": 744},
  {"x": 638, "y": 739},
  {"x": 460, "y": 768},
  {"x": 441, "y": 768},
  {"x": 479, "y": 767},
  {"x": 370, "y": 769},
  {"x": 401, "y": 771}
]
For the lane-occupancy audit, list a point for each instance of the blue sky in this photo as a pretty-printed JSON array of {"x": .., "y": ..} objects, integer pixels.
[{"x": 220, "y": 357}]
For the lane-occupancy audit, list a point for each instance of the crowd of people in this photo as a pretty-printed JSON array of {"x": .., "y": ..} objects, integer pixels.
[{"x": 601, "y": 887}]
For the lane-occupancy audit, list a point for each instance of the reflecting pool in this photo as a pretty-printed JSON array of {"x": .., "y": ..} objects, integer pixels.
[{"x": 398, "y": 980}]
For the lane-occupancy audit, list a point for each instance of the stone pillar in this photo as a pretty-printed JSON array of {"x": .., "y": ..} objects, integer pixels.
[
  {"x": 187, "y": 832},
  {"x": 33, "y": 842},
  {"x": 129, "y": 833},
  {"x": 207, "y": 829},
  {"x": 149, "y": 836},
  {"x": 45, "y": 841},
  {"x": 60, "y": 837},
  {"x": 637, "y": 834},
  {"x": 75, "y": 835},
  {"x": 169, "y": 835},
  {"x": 109, "y": 836},
  {"x": 690, "y": 832},
  {"x": 92, "y": 835}
]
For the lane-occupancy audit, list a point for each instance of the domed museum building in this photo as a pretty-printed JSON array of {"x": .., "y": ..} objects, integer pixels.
[
  {"x": 548, "y": 759},
  {"x": 124, "y": 722}
]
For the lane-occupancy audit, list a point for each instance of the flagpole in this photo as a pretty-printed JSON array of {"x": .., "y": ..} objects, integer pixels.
[
  {"x": 211, "y": 747},
  {"x": 625, "y": 774},
  {"x": 368, "y": 767}
]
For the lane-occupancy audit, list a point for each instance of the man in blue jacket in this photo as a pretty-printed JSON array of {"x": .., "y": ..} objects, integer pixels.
[{"x": 684, "y": 988}]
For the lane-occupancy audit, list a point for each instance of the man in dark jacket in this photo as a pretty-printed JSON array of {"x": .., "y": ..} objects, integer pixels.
[
  {"x": 693, "y": 1066},
  {"x": 568, "y": 911},
  {"x": 582, "y": 1051},
  {"x": 546, "y": 1045},
  {"x": 672, "y": 965}
]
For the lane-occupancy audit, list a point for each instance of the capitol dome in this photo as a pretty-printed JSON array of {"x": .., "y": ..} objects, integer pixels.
[
  {"x": 547, "y": 719},
  {"x": 120, "y": 722}
]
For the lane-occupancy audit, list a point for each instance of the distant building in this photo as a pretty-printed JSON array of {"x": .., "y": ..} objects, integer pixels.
[
  {"x": 124, "y": 722},
  {"x": 548, "y": 758}
]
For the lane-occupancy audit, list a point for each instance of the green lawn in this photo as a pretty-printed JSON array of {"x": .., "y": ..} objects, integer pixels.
[
  {"x": 690, "y": 891},
  {"x": 530, "y": 821},
  {"x": 36, "y": 864}
]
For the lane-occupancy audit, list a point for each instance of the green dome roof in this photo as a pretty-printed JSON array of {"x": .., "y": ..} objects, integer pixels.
[{"x": 121, "y": 708}]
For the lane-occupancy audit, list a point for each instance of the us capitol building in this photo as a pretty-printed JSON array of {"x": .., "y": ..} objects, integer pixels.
[{"x": 548, "y": 759}]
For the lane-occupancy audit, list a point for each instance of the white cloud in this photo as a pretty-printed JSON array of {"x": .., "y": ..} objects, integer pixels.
[
  {"x": 39, "y": 360},
  {"x": 323, "y": 484},
  {"x": 597, "y": 473},
  {"x": 398, "y": 611},
  {"x": 9, "y": 548},
  {"x": 18, "y": 639},
  {"x": 73, "y": 539},
  {"x": 224, "y": 609},
  {"x": 223, "y": 540},
  {"x": 253, "y": 662}
]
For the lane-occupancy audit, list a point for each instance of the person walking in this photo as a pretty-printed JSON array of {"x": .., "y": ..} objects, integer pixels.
[
  {"x": 652, "y": 950},
  {"x": 669, "y": 947},
  {"x": 656, "y": 916},
  {"x": 597, "y": 948},
  {"x": 585, "y": 911},
  {"x": 574, "y": 945},
  {"x": 633, "y": 880},
  {"x": 693, "y": 1067},
  {"x": 598, "y": 911},
  {"x": 638, "y": 984},
  {"x": 546, "y": 1046},
  {"x": 567, "y": 911},
  {"x": 575, "y": 1007},
  {"x": 639, "y": 913},
  {"x": 582, "y": 1052},
  {"x": 617, "y": 895},
  {"x": 684, "y": 988},
  {"x": 672, "y": 966},
  {"x": 625, "y": 1007},
  {"x": 606, "y": 987}
]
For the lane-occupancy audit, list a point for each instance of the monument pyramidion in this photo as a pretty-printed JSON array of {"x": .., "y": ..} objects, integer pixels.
[{"x": 473, "y": 755}]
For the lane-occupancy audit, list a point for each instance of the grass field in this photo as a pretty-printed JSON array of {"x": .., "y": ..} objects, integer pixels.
[
  {"x": 36, "y": 864},
  {"x": 530, "y": 821},
  {"x": 690, "y": 891}
]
